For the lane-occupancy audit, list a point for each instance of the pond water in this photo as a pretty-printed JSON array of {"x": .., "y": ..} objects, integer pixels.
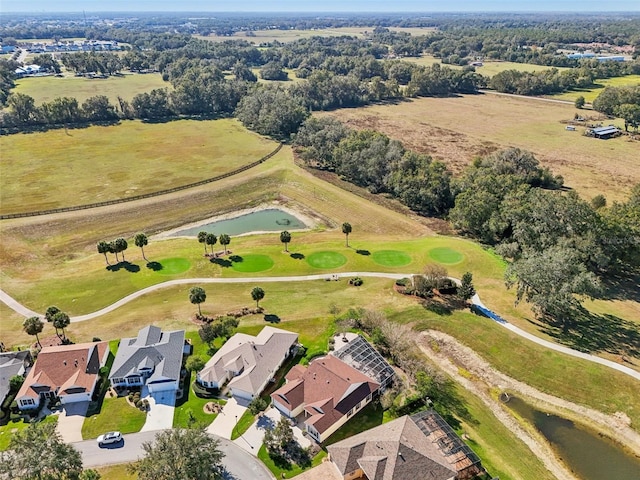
[
  {"x": 269, "y": 220},
  {"x": 589, "y": 455}
]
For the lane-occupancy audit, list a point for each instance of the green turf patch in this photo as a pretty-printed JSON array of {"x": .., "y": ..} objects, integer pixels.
[
  {"x": 251, "y": 263},
  {"x": 391, "y": 258},
  {"x": 326, "y": 260},
  {"x": 445, "y": 255},
  {"x": 170, "y": 266}
]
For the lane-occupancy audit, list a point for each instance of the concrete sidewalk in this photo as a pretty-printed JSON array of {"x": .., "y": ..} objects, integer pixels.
[
  {"x": 227, "y": 419},
  {"x": 70, "y": 421}
]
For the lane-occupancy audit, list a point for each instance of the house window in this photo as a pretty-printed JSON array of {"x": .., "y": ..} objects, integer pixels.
[
  {"x": 369, "y": 397},
  {"x": 350, "y": 413},
  {"x": 116, "y": 381},
  {"x": 28, "y": 401}
]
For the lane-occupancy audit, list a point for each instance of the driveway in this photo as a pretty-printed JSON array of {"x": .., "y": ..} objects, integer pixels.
[
  {"x": 70, "y": 421},
  {"x": 161, "y": 409},
  {"x": 252, "y": 439},
  {"x": 223, "y": 424}
]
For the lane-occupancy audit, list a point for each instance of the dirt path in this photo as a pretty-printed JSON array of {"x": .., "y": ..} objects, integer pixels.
[{"x": 449, "y": 354}]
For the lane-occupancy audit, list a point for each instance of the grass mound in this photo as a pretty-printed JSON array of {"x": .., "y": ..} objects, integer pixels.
[
  {"x": 170, "y": 266},
  {"x": 391, "y": 258},
  {"x": 445, "y": 255},
  {"x": 251, "y": 263},
  {"x": 326, "y": 260}
]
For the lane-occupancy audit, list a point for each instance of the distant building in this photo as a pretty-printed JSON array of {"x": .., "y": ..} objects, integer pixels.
[
  {"x": 27, "y": 70},
  {"x": 12, "y": 364},
  {"x": 612, "y": 58},
  {"x": 9, "y": 48},
  {"x": 604, "y": 133}
]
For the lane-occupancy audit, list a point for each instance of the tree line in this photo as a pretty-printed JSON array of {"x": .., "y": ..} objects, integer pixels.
[{"x": 623, "y": 102}]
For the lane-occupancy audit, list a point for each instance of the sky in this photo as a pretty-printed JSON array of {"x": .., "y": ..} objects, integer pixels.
[{"x": 7, "y": 6}]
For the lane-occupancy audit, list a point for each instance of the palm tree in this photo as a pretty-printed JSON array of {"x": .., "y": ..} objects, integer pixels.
[
  {"x": 121, "y": 245},
  {"x": 285, "y": 237},
  {"x": 346, "y": 229},
  {"x": 49, "y": 314},
  {"x": 103, "y": 248},
  {"x": 211, "y": 240},
  {"x": 224, "y": 240},
  {"x": 202, "y": 238},
  {"x": 257, "y": 294},
  {"x": 197, "y": 295},
  {"x": 141, "y": 241},
  {"x": 113, "y": 248},
  {"x": 33, "y": 326},
  {"x": 61, "y": 320}
]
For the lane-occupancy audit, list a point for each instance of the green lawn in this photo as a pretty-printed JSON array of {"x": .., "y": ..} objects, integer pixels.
[
  {"x": 101, "y": 163},
  {"x": 488, "y": 68},
  {"x": 116, "y": 415},
  {"x": 244, "y": 422},
  {"x": 12, "y": 427},
  {"x": 369, "y": 417},
  {"x": 590, "y": 94},
  {"x": 290, "y": 472},
  {"x": 116, "y": 472},
  {"x": 127, "y": 86}
]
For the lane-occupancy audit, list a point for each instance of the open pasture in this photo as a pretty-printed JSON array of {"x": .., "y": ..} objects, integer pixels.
[
  {"x": 127, "y": 86},
  {"x": 457, "y": 129},
  {"x": 61, "y": 168},
  {"x": 590, "y": 94},
  {"x": 488, "y": 68}
]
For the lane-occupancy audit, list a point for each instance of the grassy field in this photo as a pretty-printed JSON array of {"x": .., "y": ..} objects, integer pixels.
[
  {"x": 488, "y": 68},
  {"x": 127, "y": 86},
  {"x": 103, "y": 163},
  {"x": 259, "y": 37},
  {"x": 457, "y": 129},
  {"x": 590, "y": 94}
]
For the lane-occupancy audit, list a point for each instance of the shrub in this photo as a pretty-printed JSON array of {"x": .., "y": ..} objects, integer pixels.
[
  {"x": 139, "y": 403},
  {"x": 257, "y": 405},
  {"x": 356, "y": 281},
  {"x": 403, "y": 282}
]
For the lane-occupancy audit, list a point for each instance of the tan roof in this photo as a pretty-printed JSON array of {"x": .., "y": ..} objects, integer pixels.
[
  {"x": 256, "y": 358},
  {"x": 396, "y": 450},
  {"x": 328, "y": 389},
  {"x": 325, "y": 471},
  {"x": 65, "y": 368}
]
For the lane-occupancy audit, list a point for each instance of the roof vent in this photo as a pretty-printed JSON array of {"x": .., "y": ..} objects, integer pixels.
[{"x": 64, "y": 362}]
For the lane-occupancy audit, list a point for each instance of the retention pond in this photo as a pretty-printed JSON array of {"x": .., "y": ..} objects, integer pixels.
[
  {"x": 268, "y": 220},
  {"x": 589, "y": 455}
]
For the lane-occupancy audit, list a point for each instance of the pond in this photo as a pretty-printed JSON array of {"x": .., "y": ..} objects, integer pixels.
[
  {"x": 269, "y": 220},
  {"x": 589, "y": 455}
]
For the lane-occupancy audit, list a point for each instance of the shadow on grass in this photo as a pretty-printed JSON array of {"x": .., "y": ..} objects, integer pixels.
[
  {"x": 155, "y": 266},
  {"x": 363, "y": 252},
  {"x": 297, "y": 256},
  {"x": 594, "y": 333},
  {"x": 271, "y": 318},
  {"x": 236, "y": 258},
  {"x": 622, "y": 287},
  {"x": 186, "y": 390},
  {"x": 223, "y": 262},
  {"x": 128, "y": 266}
]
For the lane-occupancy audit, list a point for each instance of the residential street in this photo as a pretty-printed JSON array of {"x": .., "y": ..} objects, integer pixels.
[{"x": 240, "y": 464}]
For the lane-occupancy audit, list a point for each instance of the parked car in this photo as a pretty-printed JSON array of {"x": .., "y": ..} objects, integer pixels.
[{"x": 109, "y": 437}]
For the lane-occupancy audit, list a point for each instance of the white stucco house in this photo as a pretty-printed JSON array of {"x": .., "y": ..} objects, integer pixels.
[
  {"x": 153, "y": 358},
  {"x": 248, "y": 363}
]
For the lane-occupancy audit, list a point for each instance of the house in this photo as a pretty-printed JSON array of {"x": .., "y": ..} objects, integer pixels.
[
  {"x": 12, "y": 364},
  {"x": 410, "y": 447},
  {"x": 67, "y": 372},
  {"x": 248, "y": 362},
  {"x": 153, "y": 358},
  {"x": 328, "y": 392},
  {"x": 355, "y": 351}
]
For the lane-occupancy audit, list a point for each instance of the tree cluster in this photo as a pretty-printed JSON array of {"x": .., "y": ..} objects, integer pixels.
[
  {"x": 282, "y": 446},
  {"x": 623, "y": 102}
]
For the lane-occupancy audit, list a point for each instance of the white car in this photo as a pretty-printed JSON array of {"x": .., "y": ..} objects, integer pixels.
[{"x": 109, "y": 437}]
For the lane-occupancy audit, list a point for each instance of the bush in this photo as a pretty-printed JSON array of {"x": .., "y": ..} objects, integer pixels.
[
  {"x": 139, "y": 403},
  {"x": 257, "y": 405},
  {"x": 403, "y": 282},
  {"x": 356, "y": 281}
]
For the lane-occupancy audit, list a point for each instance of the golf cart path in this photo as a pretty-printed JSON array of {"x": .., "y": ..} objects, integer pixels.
[{"x": 22, "y": 310}]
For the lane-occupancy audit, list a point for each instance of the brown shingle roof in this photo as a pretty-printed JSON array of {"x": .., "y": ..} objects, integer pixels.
[
  {"x": 328, "y": 384},
  {"x": 408, "y": 453},
  {"x": 66, "y": 368}
]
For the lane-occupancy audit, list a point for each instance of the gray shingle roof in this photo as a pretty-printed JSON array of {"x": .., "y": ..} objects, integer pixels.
[
  {"x": 396, "y": 450},
  {"x": 10, "y": 365},
  {"x": 256, "y": 357},
  {"x": 152, "y": 348}
]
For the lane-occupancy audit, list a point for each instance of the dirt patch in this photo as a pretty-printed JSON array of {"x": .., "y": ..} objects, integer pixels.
[{"x": 450, "y": 355}]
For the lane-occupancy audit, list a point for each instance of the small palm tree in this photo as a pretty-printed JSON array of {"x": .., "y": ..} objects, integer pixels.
[
  {"x": 121, "y": 245},
  {"x": 211, "y": 240},
  {"x": 197, "y": 295},
  {"x": 224, "y": 240},
  {"x": 202, "y": 238},
  {"x": 103, "y": 248},
  {"x": 141, "y": 241},
  {"x": 285, "y": 237},
  {"x": 346, "y": 229},
  {"x": 257, "y": 294},
  {"x": 60, "y": 321},
  {"x": 33, "y": 326},
  {"x": 49, "y": 314}
]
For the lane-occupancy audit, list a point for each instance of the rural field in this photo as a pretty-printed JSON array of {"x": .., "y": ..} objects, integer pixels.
[
  {"x": 457, "y": 129},
  {"x": 590, "y": 94},
  {"x": 127, "y": 86},
  {"x": 95, "y": 163}
]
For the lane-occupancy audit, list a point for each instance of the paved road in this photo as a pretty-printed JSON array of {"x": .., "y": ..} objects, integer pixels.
[
  {"x": 240, "y": 464},
  {"x": 13, "y": 304}
]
